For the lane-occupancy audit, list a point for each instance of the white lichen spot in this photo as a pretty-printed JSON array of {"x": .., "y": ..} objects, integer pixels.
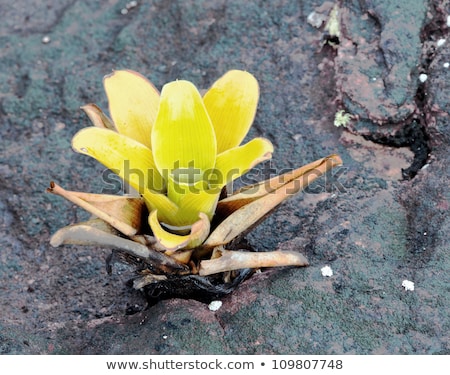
[
  {"x": 408, "y": 285},
  {"x": 440, "y": 42},
  {"x": 423, "y": 77},
  {"x": 132, "y": 4},
  {"x": 342, "y": 118},
  {"x": 326, "y": 271},
  {"x": 215, "y": 305},
  {"x": 316, "y": 19},
  {"x": 46, "y": 39}
]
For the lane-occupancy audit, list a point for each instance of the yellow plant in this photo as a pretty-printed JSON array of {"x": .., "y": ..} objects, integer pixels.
[{"x": 179, "y": 151}]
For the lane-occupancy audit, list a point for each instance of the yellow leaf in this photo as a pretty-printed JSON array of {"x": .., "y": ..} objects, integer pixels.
[
  {"x": 245, "y": 217},
  {"x": 196, "y": 201},
  {"x": 183, "y": 140},
  {"x": 126, "y": 157},
  {"x": 303, "y": 175},
  {"x": 237, "y": 161},
  {"x": 133, "y": 104},
  {"x": 167, "y": 210},
  {"x": 182, "y": 215},
  {"x": 122, "y": 213},
  {"x": 174, "y": 242},
  {"x": 184, "y": 203},
  {"x": 231, "y": 103}
]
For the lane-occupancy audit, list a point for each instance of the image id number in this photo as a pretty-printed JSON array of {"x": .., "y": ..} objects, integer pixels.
[{"x": 306, "y": 364}]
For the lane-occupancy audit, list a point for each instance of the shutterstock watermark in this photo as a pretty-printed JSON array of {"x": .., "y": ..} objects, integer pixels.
[{"x": 189, "y": 179}]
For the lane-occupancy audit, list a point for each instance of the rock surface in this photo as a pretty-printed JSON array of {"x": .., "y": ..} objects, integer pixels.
[{"x": 379, "y": 220}]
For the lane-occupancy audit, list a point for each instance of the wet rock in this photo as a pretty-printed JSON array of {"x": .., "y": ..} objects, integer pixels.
[
  {"x": 376, "y": 63},
  {"x": 381, "y": 67},
  {"x": 372, "y": 227}
]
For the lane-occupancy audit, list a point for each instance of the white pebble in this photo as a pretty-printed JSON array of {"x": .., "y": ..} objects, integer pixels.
[
  {"x": 316, "y": 19},
  {"x": 408, "y": 285},
  {"x": 326, "y": 271},
  {"x": 124, "y": 11},
  {"x": 215, "y": 305},
  {"x": 440, "y": 42},
  {"x": 131, "y": 4},
  {"x": 59, "y": 126},
  {"x": 46, "y": 39},
  {"x": 446, "y": 65},
  {"x": 448, "y": 21},
  {"x": 423, "y": 77}
]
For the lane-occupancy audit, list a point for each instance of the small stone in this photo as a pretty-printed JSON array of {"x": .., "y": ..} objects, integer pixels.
[
  {"x": 59, "y": 126},
  {"x": 316, "y": 19},
  {"x": 423, "y": 77},
  {"x": 448, "y": 21},
  {"x": 215, "y": 305},
  {"x": 408, "y": 285},
  {"x": 326, "y": 271},
  {"x": 131, "y": 4},
  {"x": 124, "y": 11},
  {"x": 446, "y": 65},
  {"x": 46, "y": 39},
  {"x": 440, "y": 42}
]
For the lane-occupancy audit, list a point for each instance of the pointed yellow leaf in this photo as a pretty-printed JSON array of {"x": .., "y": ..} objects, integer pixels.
[
  {"x": 167, "y": 210},
  {"x": 184, "y": 210},
  {"x": 126, "y": 157},
  {"x": 127, "y": 209},
  {"x": 174, "y": 242},
  {"x": 183, "y": 216},
  {"x": 122, "y": 213},
  {"x": 194, "y": 202},
  {"x": 133, "y": 104},
  {"x": 251, "y": 213},
  {"x": 250, "y": 193},
  {"x": 97, "y": 117},
  {"x": 183, "y": 140},
  {"x": 177, "y": 190},
  {"x": 237, "y": 161},
  {"x": 231, "y": 103}
]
